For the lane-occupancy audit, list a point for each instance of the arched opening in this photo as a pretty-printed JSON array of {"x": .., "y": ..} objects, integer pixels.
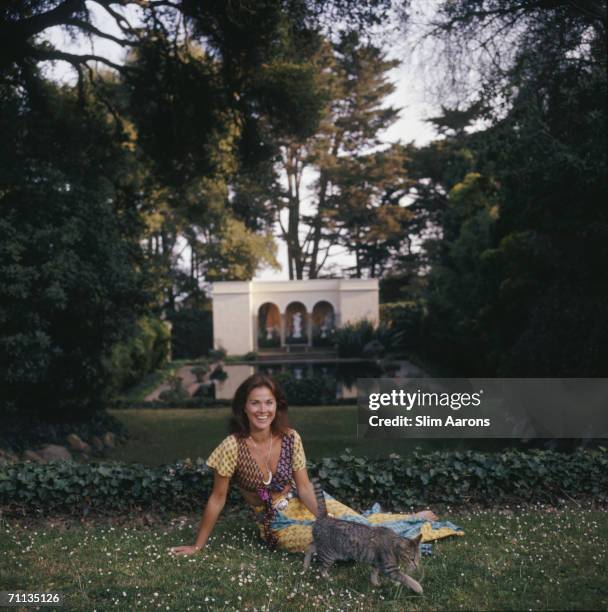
[
  {"x": 323, "y": 324},
  {"x": 269, "y": 326},
  {"x": 296, "y": 324}
]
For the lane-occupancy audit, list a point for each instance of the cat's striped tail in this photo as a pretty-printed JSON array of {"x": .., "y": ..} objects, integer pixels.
[{"x": 321, "y": 507}]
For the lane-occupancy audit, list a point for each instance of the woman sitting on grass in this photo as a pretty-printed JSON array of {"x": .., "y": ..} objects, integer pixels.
[{"x": 266, "y": 459}]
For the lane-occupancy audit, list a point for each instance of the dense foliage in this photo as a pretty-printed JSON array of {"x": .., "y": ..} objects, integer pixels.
[
  {"x": 145, "y": 351},
  {"x": 396, "y": 482},
  {"x": 401, "y": 329},
  {"x": 126, "y": 191},
  {"x": 352, "y": 338},
  {"x": 308, "y": 391},
  {"x": 105, "y": 182},
  {"x": 514, "y": 212},
  {"x": 403, "y": 323},
  {"x": 467, "y": 477},
  {"x": 191, "y": 332},
  {"x": 335, "y": 184},
  {"x": 69, "y": 286}
]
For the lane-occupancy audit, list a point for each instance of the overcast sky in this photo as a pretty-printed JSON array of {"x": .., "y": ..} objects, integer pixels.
[{"x": 410, "y": 95}]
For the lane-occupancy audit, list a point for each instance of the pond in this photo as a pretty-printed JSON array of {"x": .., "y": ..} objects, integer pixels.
[{"x": 345, "y": 372}]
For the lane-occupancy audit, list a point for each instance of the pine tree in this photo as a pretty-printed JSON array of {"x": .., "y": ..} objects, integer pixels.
[{"x": 354, "y": 194}]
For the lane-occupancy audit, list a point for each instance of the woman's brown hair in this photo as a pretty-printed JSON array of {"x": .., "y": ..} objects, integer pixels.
[{"x": 239, "y": 423}]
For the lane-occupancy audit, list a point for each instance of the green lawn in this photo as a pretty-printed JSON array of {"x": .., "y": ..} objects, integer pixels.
[
  {"x": 519, "y": 559},
  {"x": 164, "y": 436}
]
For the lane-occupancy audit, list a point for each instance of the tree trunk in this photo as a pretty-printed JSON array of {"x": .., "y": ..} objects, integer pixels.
[{"x": 294, "y": 249}]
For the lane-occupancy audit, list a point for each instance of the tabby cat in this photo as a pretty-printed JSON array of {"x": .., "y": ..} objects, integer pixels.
[{"x": 383, "y": 549}]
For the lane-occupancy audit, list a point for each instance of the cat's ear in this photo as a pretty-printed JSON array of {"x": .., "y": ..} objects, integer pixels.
[{"x": 417, "y": 539}]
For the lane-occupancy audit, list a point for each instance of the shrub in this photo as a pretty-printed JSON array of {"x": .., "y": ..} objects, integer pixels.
[
  {"x": 396, "y": 482},
  {"x": 218, "y": 373},
  {"x": 107, "y": 488},
  {"x": 351, "y": 338},
  {"x": 217, "y": 354},
  {"x": 308, "y": 391},
  {"x": 402, "y": 322},
  {"x": 146, "y": 350},
  {"x": 206, "y": 391},
  {"x": 176, "y": 392},
  {"x": 250, "y": 356},
  {"x": 192, "y": 333},
  {"x": 200, "y": 370},
  {"x": 467, "y": 477},
  {"x": 373, "y": 349}
]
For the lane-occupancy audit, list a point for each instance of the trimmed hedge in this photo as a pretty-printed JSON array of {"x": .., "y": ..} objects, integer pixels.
[
  {"x": 396, "y": 482},
  {"x": 454, "y": 477},
  {"x": 105, "y": 488}
]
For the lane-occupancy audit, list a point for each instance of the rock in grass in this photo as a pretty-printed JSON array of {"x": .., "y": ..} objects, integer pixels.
[
  {"x": 30, "y": 455},
  {"x": 97, "y": 443},
  {"x": 77, "y": 444},
  {"x": 54, "y": 452},
  {"x": 109, "y": 440}
]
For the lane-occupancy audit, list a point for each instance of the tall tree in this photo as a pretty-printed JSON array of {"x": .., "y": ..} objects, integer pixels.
[
  {"x": 72, "y": 275},
  {"x": 325, "y": 172},
  {"x": 370, "y": 219},
  {"x": 515, "y": 282},
  {"x": 147, "y": 155}
]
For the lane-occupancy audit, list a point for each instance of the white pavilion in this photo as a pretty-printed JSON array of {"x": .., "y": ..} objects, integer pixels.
[{"x": 288, "y": 315}]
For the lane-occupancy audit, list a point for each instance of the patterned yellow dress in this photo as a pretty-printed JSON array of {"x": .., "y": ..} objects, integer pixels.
[{"x": 286, "y": 523}]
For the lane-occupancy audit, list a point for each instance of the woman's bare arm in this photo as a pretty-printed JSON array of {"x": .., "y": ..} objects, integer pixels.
[
  {"x": 306, "y": 491},
  {"x": 213, "y": 509}
]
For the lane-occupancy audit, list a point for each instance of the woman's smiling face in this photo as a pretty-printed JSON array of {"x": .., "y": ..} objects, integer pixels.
[{"x": 260, "y": 408}]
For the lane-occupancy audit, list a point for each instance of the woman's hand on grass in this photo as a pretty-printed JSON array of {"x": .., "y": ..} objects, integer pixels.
[
  {"x": 214, "y": 507},
  {"x": 184, "y": 550}
]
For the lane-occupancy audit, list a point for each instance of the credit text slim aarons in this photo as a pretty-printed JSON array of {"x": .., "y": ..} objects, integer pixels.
[{"x": 483, "y": 407}]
